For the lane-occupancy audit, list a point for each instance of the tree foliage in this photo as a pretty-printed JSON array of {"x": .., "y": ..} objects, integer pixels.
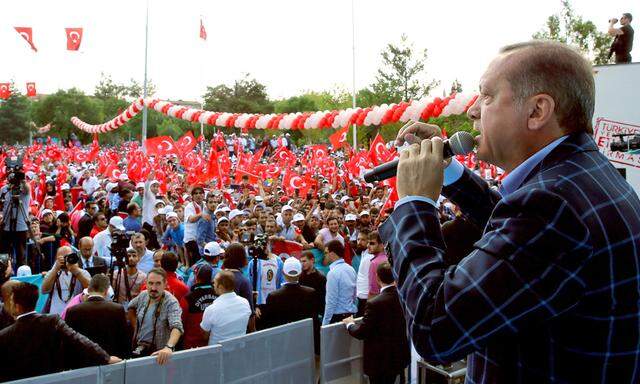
[
  {"x": 572, "y": 29},
  {"x": 14, "y": 117},
  {"x": 247, "y": 95}
]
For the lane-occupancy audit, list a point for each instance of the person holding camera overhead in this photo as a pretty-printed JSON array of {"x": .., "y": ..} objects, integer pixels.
[
  {"x": 64, "y": 281},
  {"x": 14, "y": 213},
  {"x": 623, "y": 41}
]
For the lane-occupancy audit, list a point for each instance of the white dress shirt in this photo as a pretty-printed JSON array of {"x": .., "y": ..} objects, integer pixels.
[{"x": 226, "y": 318}]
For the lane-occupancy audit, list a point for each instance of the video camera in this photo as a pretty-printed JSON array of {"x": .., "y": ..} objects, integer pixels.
[
  {"x": 256, "y": 244},
  {"x": 15, "y": 173},
  {"x": 633, "y": 143},
  {"x": 120, "y": 241}
]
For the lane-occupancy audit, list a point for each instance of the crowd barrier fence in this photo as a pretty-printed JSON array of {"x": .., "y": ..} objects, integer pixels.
[
  {"x": 277, "y": 355},
  {"x": 340, "y": 355}
]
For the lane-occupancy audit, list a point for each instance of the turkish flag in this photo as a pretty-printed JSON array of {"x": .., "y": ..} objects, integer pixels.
[
  {"x": 319, "y": 151},
  {"x": 378, "y": 152},
  {"x": 160, "y": 146},
  {"x": 186, "y": 143},
  {"x": 203, "y": 32},
  {"x": 5, "y": 90},
  {"x": 339, "y": 139},
  {"x": 27, "y": 34},
  {"x": 74, "y": 38},
  {"x": 31, "y": 89}
]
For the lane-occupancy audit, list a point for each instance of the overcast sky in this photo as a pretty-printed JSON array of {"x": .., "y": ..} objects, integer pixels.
[{"x": 289, "y": 45}]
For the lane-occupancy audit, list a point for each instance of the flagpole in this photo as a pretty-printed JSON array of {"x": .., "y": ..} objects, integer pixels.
[
  {"x": 353, "y": 61},
  {"x": 202, "y": 96},
  {"x": 144, "y": 87}
]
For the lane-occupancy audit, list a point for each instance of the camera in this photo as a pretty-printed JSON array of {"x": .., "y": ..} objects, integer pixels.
[
  {"x": 15, "y": 172},
  {"x": 71, "y": 259},
  {"x": 119, "y": 243},
  {"x": 142, "y": 349},
  {"x": 256, "y": 244}
]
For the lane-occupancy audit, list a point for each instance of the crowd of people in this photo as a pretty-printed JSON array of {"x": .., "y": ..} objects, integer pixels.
[{"x": 133, "y": 270}]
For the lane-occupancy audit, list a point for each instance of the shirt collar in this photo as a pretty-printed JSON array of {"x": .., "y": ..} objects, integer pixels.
[
  {"x": 514, "y": 179},
  {"x": 388, "y": 286},
  {"x": 336, "y": 263},
  {"x": 24, "y": 314}
]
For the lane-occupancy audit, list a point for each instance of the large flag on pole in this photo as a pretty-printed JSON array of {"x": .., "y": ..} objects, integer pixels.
[
  {"x": 203, "y": 31},
  {"x": 27, "y": 34}
]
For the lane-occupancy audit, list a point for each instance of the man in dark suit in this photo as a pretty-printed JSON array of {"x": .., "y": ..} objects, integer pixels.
[
  {"x": 386, "y": 350},
  {"x": 292, "y": 302},
  {"x": 101, "y": 320},
  {"x": 87, "y": 258},
  {"x": 550, "y": 293},
  {"x": 85, "y": 224},
  {"x": 39, "y": 344}
]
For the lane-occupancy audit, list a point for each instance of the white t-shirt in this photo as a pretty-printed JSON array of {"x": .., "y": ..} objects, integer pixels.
[
  {"x": 148, "y": 204},
  {"x": 226, "y": 318},
  {"x": 190, "y": 229},
  {"x": 327, "y": 237},
  {"x": 362, "y": 280},
  {"x": 102, "y": 245}
]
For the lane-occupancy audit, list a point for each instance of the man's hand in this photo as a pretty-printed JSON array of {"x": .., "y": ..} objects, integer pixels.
[
  {"x": 163, "y": 354},
  {"x": 613, "y": 21},
  {"x": 420, "y": 171},
  {"x": 258, "y": 312},
  {"x": 114, "y": 360},
  {"x": 348, "y": 320},
  {"x": 73, "y": 268},
  {"x": 414, "y": 132}
]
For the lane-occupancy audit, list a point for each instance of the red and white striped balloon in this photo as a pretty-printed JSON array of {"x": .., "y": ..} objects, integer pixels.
[{"x": 417, "y": 110}]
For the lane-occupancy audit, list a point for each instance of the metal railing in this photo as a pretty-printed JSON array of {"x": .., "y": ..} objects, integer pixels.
[{"x": 340, "y": 355}]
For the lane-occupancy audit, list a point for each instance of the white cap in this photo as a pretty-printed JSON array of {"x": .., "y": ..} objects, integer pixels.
[
  {"x": 23, "y": 270},
  {"x": 219, "y": 210},
  {"x": 153, "y": 182},
  {"x": 226, "y": 209},
  {"x": 235, "y": 213},
  {"x": 350, "y": 217},
  {"x": 376, "y": 202},
  {"x": 259, "y": 199},
  {"x": 123, "y": 176},
  {"x": 223, "y": 218},
  {"x": 344, "y": 198},
  {"x": 168, "y": 208},
  {"x": 116, "y": 221},
  {"x": 292, "y": 267},
  {"x": 110, "y": 186},
  {"x": 286, "y": 208},
  {"x": 213, "y": 249},
  {"x": 159, "y": 202},
  {"x": 171, "y": 214},
  {"x": 46, "y": 211},
  {"x": 140, "y": 185},
  {"x": 48, "y": 198},
  {"x": 298, "y": 217},
  {"x": 65, "y": 187},
  {"x": 364, "y": 213}
]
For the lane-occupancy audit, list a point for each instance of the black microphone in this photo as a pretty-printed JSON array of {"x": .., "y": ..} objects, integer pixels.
[{"x": 460, "y": 143}]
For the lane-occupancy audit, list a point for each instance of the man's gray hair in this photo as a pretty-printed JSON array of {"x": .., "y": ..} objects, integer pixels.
[{"x": 555, "y": 69}]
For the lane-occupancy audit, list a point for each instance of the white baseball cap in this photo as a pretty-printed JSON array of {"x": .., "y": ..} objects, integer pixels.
[
  {"x": 364, "y": 213},
  {"x": 343, "y": 199},
  {"x": 123, "y": 176},
  {"x": 45, "y": 211},
  {"x": 23, "y": 270},
  {"x": 65, "y": 187},
  {"x": 213, "y": 249},
  {"x": 116, "y": 221},
  {"x": 350, "y": 217},
  {"x": 171, "y": 214},
  {"x": 110, "y": 186},
  {"x": 235, "y": 213},
  {"x": 286, "y": 208},
  {"x": 223, "y": 218},
  {"x": 140, "y": 185},
  {"x": 292, "y": 267},
  {"x": 259, "y": 198},
  {"x": 298, "y": 217}
]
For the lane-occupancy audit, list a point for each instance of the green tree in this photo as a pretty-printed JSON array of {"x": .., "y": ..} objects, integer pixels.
[
  {"x": 107, "y": 88},
  {"x": 14, "y": 118},
  {"x": 61, "y": 106},
  {"x": 456, "y": 86},
  {"x": 246, "y": 96},
  {"x": 572, "y": 29},
  {"x": 402, "y": 75}
]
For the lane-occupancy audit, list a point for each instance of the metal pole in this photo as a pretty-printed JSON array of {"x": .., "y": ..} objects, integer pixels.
[
  {"x": 144, "y": 87},
  {"x": 353, "y": 61}
]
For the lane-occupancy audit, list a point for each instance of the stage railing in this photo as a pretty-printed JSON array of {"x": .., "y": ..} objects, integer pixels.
[
  {"x": 277, "y": 355},
  {"x": 340, "y": 355}
]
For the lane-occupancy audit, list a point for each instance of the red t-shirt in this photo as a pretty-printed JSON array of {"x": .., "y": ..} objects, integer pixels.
[{"x": 174, "y": 286}]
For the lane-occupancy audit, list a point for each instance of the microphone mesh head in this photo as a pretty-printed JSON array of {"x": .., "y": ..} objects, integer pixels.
[{"x": 461, "y": 143}]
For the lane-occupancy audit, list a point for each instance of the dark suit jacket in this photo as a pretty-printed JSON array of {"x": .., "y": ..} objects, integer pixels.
[
  {"x": 97, "y": 262},
  {"x": 551, "y": 290},
  {"x": 383, "y": 329},
  {"x": 85, "y": 225},
  {"x": 104, "y": 322},
  {"x": 292, "y": 302},
  {"x": 41, "y": 344}
]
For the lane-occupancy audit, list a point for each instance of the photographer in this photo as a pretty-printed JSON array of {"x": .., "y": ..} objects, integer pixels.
[
  {"x": 155, "y": 316},
  {"x": 135, "y": 279},
  {"x": 64, "y": 281},
  {"x": 265, "y": 268},
  {"x": 16, "y": 196},
  {"x": 623, "y": 41}
]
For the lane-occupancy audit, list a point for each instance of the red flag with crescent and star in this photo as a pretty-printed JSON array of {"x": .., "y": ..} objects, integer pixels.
[
  {"x": 160, "y": 146},
  {"x": 5, "y": 90},
  {"x": 378, "y": 152},
  {"x": 74, "y": 38},
  {"x": 31, "y": 89},
  {"x": 339, "y": 139},
  {"x": 27, "y": 34}
]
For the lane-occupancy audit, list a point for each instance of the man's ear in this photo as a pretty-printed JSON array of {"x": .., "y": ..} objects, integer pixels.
[{"x": 541, "y": 111}]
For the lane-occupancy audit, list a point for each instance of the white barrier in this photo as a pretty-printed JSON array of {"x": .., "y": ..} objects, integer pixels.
[
  {"x": 277, "y": 355},
  {"x": 77, "y": 376},
  {"x": 340, "y": 355}
]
